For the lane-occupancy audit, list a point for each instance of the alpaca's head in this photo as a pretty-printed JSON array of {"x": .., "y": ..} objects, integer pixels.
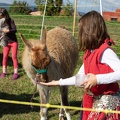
[
  {"x": 38, "y": 54},
  {"x": 39, "y": 57}
]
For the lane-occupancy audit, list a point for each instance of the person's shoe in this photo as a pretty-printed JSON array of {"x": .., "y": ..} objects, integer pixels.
[
  {"x": 15, "y": 76},
  {"x": 2, "y": 75}
]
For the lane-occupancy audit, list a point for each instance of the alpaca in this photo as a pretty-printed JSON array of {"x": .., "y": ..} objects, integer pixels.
[{"x": 51, "y": 58}]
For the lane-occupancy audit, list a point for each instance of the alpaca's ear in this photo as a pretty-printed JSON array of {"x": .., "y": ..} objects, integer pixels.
[
  {"x": 44, "y": 35},
  {"x": 27, "y": 43}
]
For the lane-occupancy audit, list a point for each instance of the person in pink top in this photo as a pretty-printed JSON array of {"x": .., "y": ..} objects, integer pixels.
[
  {"x": 102, "y": 67},
  {"x": 10, "y": 36}
]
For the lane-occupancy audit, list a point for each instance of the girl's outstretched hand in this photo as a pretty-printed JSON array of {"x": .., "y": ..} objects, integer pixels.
[
  {"x": 52, "y": 83},
  {"x": 90, "y": 82}
]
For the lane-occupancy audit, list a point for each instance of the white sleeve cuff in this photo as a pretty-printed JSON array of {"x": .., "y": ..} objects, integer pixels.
[{"x": 67, "y": 82}]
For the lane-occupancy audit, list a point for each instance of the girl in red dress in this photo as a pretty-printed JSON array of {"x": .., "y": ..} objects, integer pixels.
[{"x": 101, "y": 65}]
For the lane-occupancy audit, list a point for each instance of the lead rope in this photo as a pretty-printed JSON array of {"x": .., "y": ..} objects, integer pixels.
[
  {"x": 35, "y": 81},
  {"x": 43, "y": 19}
]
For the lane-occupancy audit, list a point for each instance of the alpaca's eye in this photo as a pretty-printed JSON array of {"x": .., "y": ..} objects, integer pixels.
[{"x": 34, "y": 66}]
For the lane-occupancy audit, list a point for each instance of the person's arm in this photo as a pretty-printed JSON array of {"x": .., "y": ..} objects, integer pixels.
[
  {"x": 65, "y": 82},
  {"x": 110, "y": 58},
  {"x": 52, "y": 83},
  {"x": 61, "y": 82},
  {"x": 12, "y": 29},
  {"x": 71, "y": 80}
]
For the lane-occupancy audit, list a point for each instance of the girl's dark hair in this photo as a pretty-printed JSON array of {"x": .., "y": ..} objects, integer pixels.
[
  {"x": 5, "y": 14},
  {"x": 92, "y": 31}
]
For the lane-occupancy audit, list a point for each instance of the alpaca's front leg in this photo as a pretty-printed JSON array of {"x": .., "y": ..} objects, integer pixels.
[
  {"x": 44, "y": 98},
  {"x": 43, "y": 113},
  {"x": 64, "y": 102}
]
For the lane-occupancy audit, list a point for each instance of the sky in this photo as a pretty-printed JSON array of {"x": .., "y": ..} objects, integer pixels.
[{"x": 83, "y": 5}]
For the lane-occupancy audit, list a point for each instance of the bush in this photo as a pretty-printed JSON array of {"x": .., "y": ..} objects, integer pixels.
[
  {"x": 19, "y": 7},
  {"x": 67, "y": 10},
  {"x": 53, "y": 7}
]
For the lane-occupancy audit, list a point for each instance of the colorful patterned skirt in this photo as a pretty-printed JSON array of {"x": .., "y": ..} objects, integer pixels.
[{"x": 105, "y": 107}]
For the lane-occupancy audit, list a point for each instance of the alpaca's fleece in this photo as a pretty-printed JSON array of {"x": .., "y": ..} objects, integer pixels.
[{"x": 62, "y": 50}]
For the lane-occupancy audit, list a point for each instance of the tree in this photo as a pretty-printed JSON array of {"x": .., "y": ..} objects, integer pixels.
[
  {"x": 19, "y": 7},
  {"x": 67, "y": 10},
  {"x": 53, "y": 6}
]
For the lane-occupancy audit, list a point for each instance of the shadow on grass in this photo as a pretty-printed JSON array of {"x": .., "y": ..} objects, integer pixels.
[
  {"x": 76, "y": 104},
  {"x": 10, "y": 108}
]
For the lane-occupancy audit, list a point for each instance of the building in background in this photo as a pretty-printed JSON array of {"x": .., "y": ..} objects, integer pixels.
[{"x": 112, "y": 16}]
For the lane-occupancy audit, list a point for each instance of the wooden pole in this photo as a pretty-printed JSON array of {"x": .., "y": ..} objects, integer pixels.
[{"x": 74, "y": 21}]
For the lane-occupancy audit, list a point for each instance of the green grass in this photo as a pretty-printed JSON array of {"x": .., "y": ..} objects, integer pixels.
[{"x": 22, "y": 89}]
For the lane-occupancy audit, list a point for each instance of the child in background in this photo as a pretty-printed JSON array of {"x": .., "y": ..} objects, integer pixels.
[
  {"x": 101, "y": 65},
  {"x": 10, "y": 36}
]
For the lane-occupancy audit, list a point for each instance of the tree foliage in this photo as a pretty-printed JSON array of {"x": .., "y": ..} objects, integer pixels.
[
  {"x": 67, "y": 10},
  {"x": 53, "y": 6},
  {"x": 19, "y": 7}
]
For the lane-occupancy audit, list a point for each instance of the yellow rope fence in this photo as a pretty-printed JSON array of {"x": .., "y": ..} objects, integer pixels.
[{"x": 57, "y": 106}]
